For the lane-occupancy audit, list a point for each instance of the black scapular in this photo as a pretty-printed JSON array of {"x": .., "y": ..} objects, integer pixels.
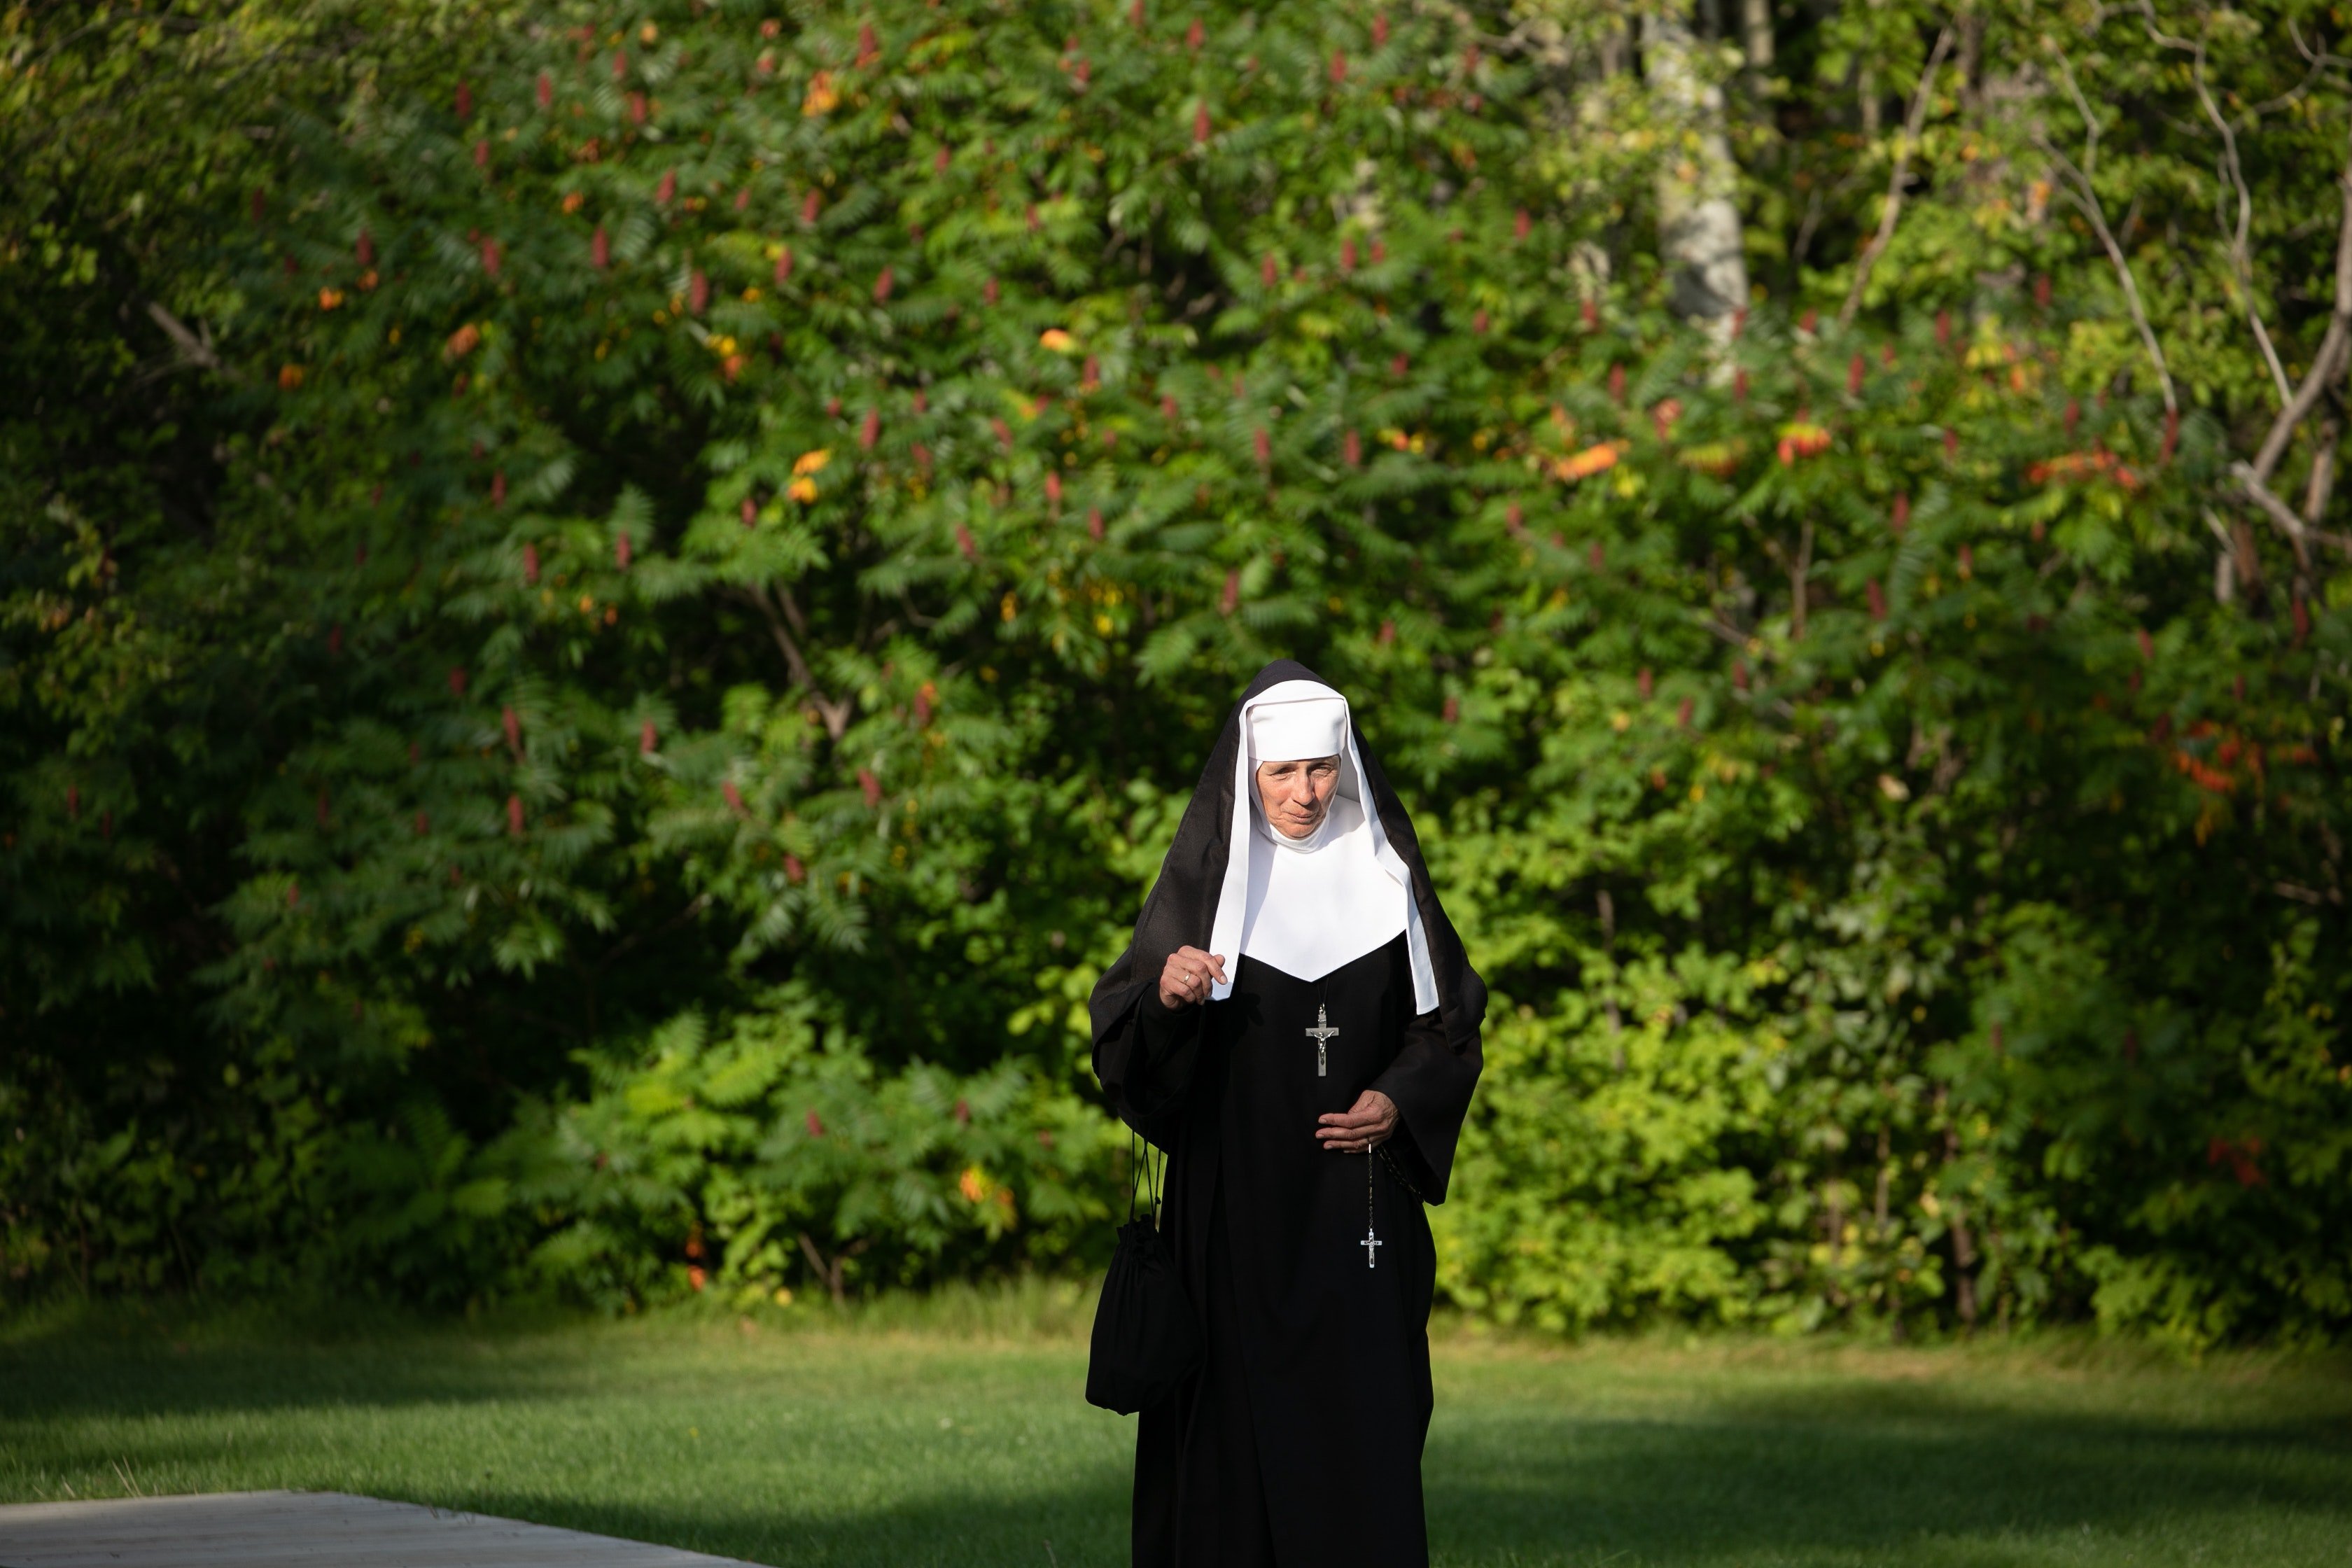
[{"x": 1147, "y": 1339}]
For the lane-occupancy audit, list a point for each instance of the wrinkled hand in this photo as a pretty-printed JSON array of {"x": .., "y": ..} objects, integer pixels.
[
  {"x": 1370, "y": 1123},
  {"x": 1187, "y": 976}
]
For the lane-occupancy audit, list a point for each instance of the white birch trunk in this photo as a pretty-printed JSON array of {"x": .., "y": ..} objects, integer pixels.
[{"x": 1699, "y": 232}]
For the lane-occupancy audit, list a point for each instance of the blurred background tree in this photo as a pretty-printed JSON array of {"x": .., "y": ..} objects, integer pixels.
[{"x": 606, "y": 615}]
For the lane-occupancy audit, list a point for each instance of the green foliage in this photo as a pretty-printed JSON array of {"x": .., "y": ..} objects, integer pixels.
[
  {"x": 589, "y": 725},
  {"x": 746, "y": 1158}
]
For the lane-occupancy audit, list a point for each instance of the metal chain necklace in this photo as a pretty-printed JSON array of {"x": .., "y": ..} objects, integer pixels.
[{"x": 1323, "y": 1032}]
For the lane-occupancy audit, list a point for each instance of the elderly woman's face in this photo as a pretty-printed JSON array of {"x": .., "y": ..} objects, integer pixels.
[{"x": 1297, "y": 794}]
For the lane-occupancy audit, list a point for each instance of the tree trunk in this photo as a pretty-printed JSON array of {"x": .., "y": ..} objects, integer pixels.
[
  {"x": 1964, "y": 1260},
  {"x": 1698, "y": 225},
  {"x": 1756, "y": 34},
  {"x": 1964, "y": 1247}
]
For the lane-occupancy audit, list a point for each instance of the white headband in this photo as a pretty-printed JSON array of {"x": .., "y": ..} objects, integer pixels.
[{"x": 1298, "y": 730}]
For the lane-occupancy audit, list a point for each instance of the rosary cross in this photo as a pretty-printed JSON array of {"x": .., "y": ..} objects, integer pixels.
[
  {"x": 1370, "y": 1242},
  {"x": 1323, "y": 1034}
]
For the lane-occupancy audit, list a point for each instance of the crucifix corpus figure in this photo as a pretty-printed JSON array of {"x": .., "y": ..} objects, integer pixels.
[
  {"x": 1322, "y": 1033},
  {"x": 1294, "y": 891}
]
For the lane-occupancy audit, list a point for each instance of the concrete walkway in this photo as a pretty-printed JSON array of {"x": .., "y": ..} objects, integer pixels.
[{"x": 303, "y": 1530}]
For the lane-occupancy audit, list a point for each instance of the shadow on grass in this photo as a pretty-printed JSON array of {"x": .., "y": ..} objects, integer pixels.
[
  {"x": 1790, "y": 1480},
  {"x": 84, "y": 1380},
  {"x": 1720, "y": 1488},
  {"x": 1072, "y": 1526}
]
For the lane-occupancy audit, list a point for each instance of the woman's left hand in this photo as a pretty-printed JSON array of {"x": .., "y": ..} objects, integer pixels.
[{"x": 1368, "y": 1124}]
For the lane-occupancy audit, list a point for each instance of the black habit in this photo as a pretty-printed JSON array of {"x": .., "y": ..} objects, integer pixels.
[{"x": 1298, "y": 1441}]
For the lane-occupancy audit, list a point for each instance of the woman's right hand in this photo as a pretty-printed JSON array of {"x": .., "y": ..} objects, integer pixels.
[{"x": 1187, "y": 976}]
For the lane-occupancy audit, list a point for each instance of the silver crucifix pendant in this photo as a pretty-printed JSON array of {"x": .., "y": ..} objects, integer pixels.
[
  {"x": 1322, "y": 1033},
  {"x": 1370, "y": 1242}
]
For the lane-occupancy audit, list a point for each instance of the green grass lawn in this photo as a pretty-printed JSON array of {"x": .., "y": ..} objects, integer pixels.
[{"x": 956, "y": 1436}]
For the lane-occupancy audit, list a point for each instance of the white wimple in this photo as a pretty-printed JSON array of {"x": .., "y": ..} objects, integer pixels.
[{"x": 1307, "y": 906}]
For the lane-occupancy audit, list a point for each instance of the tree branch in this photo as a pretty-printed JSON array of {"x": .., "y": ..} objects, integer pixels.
[
  {"x": 836, "y": 714},
  {"x": 2234, "y": 177},
  {"x": 791, "y": 609},
  {"x": 193, "y": 350},
  {"x": 2225, "y": 561},
  {"x": 1801, "y": 583},
  {"x": 2079, "y": 191},
  {"x": 2327, "y": 362},
  {"x": 2239, "y": 259},
  {"x": 2321, "y": 484},
  {"x": 1912, "y": 121},
  {"x": 836, "y": 1283},
  {"x": 2298, "y": 532}
]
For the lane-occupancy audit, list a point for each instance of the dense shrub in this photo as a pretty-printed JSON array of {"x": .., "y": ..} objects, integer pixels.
[{"x": 719, "y": 540}]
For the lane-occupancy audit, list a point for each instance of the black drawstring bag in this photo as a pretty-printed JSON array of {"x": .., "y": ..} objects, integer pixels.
[{"x": 1147, "y": 1339}]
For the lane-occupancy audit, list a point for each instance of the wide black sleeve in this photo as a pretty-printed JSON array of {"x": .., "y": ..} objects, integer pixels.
[
  {"x": 1430, "y": 1083},
  {"x": 1146, "y": 1061}
]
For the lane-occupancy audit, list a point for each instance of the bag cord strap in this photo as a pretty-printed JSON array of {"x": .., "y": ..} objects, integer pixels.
[{"x": 1140, "y": 1174}]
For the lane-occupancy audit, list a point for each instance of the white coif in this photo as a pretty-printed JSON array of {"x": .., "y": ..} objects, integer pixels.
[{"x": 1307, "y": 906}]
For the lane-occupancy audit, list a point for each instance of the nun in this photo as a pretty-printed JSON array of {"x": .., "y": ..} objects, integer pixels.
[{"x": 1296, "y": 1024}]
